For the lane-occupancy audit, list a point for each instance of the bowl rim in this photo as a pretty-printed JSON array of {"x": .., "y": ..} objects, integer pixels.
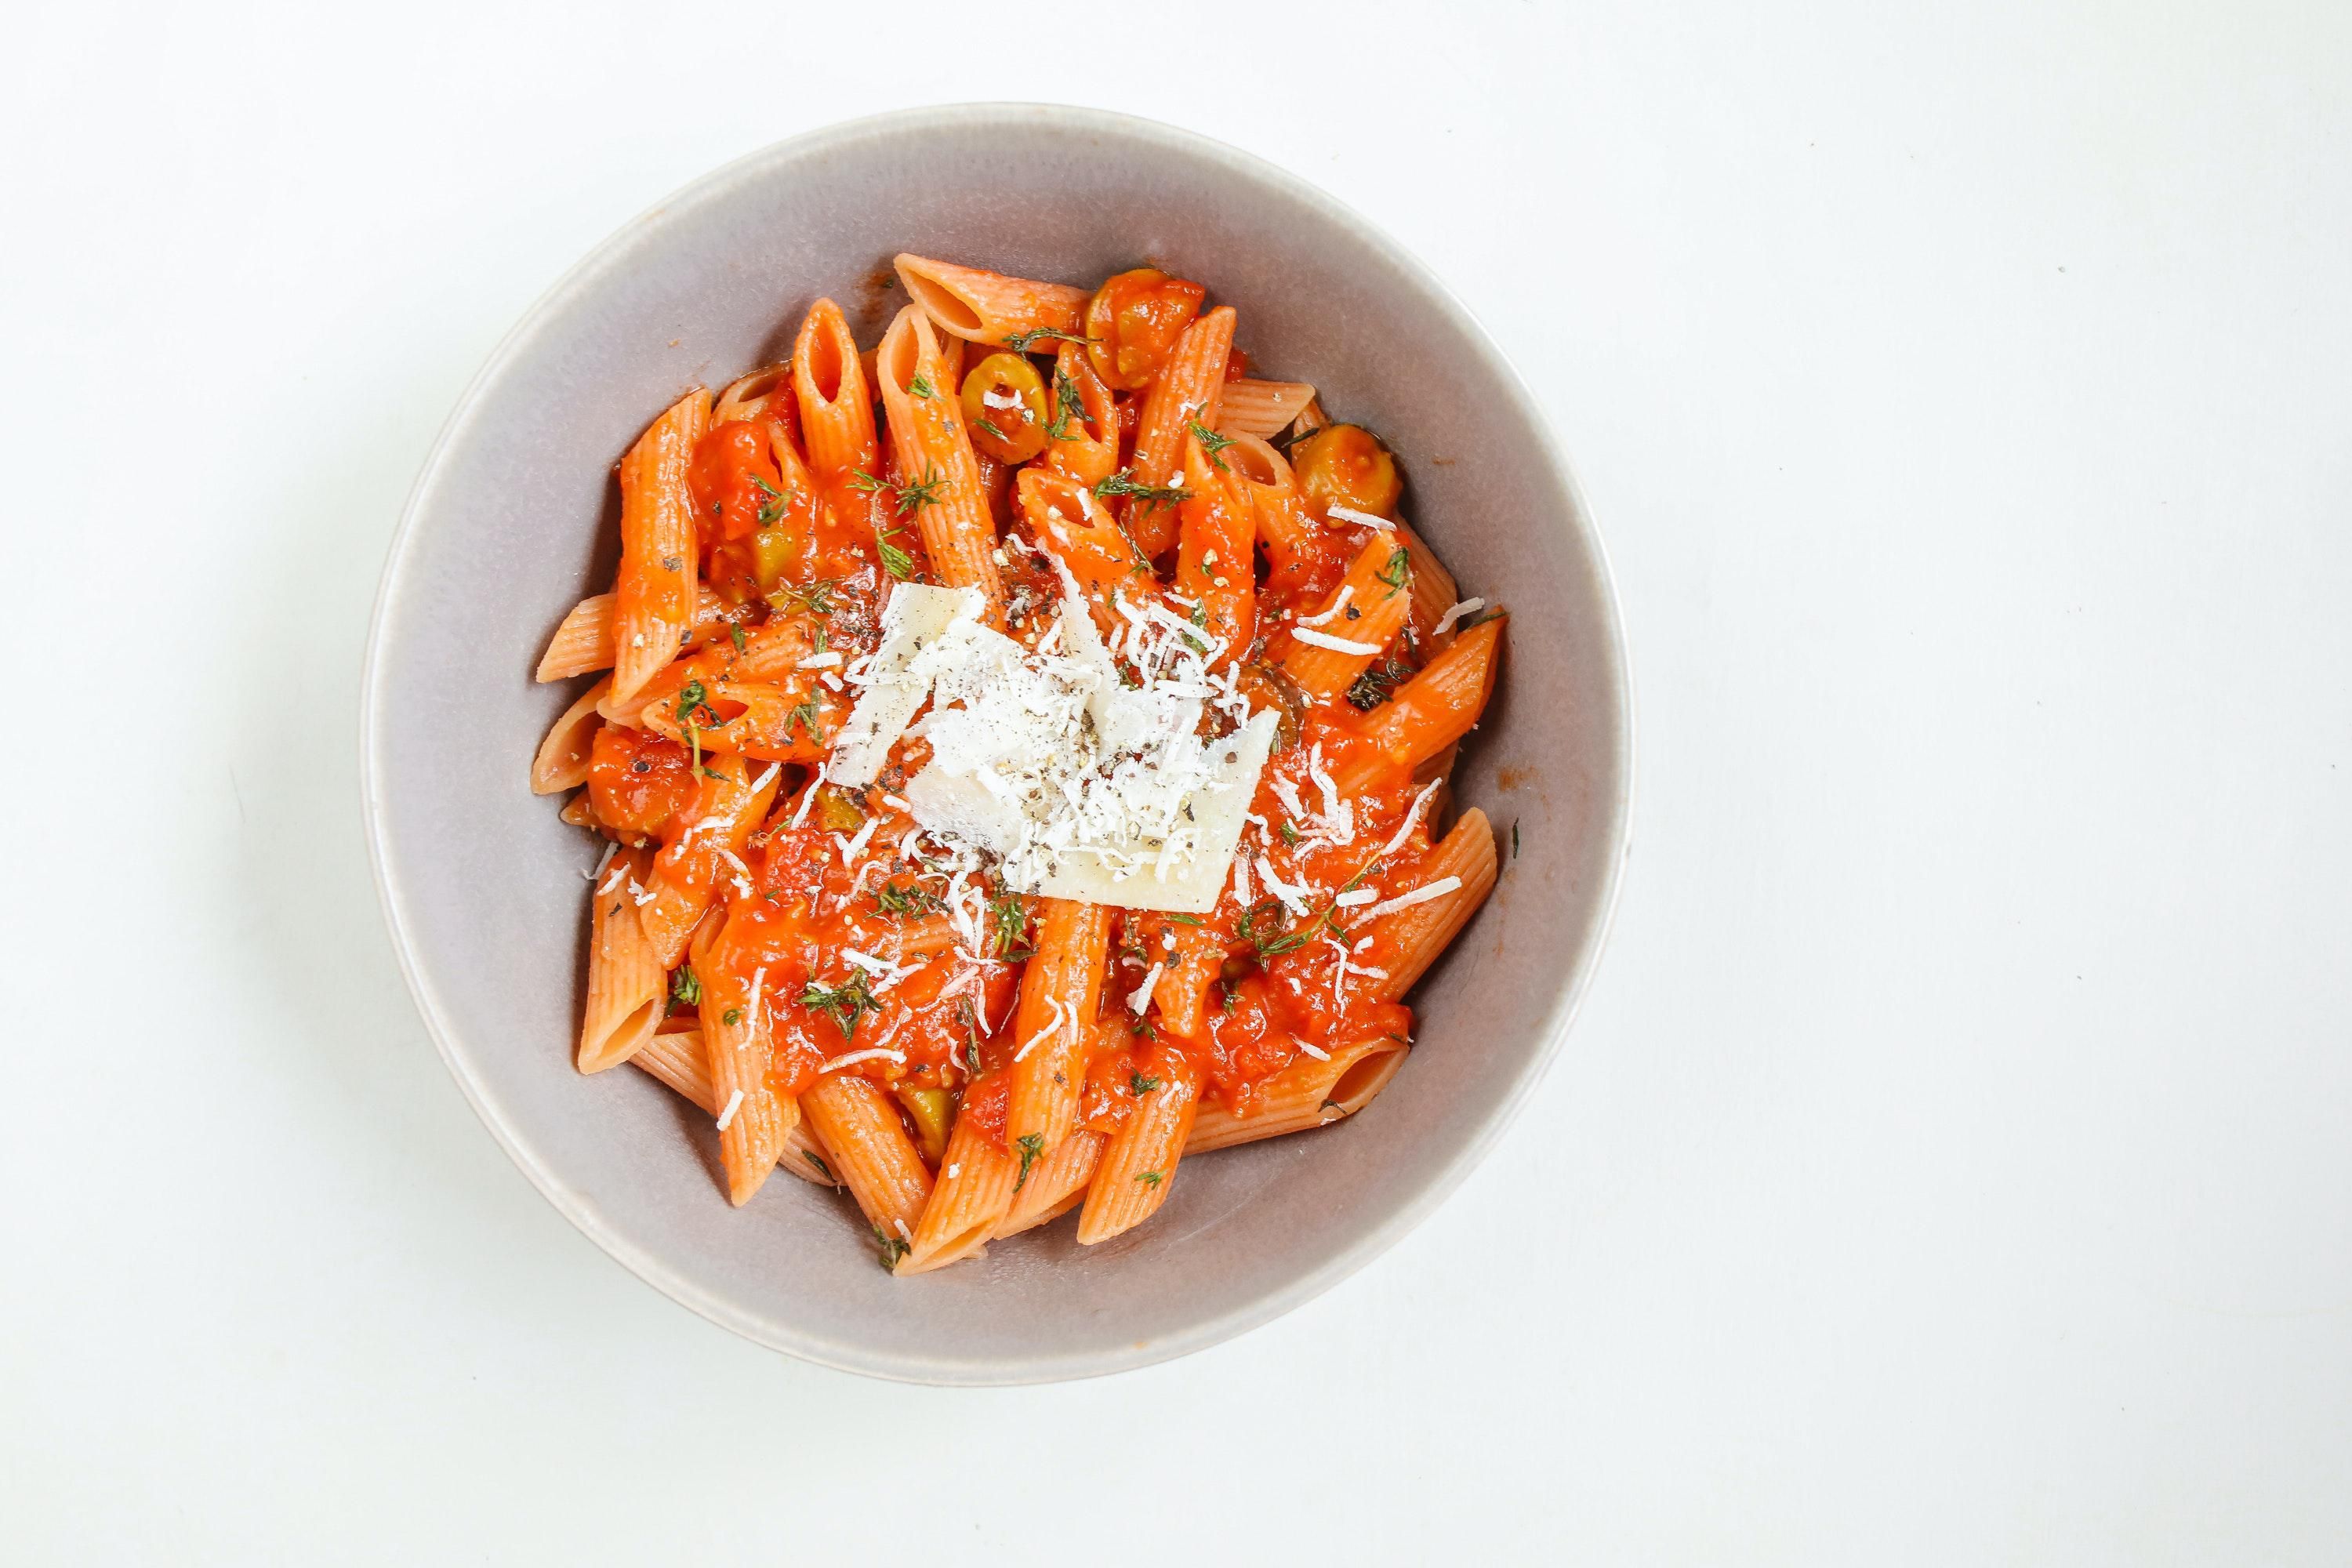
[{"x": 1267, "y": 1305}]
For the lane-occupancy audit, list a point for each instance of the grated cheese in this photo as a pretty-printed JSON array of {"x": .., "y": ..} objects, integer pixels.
[
  {"x": 1081, "y": 786},
  {"x": 734, "y": 1103},
  {"x": 1347, "y": 592},
  {"x": 871, "y": 1054},
  {"x": 1454, "y": 613},
  {"x": 1349, "y": 514},
  {"x": 1421, "y": 895},
  {"x": 1314, "y": 638},
  {"x": 1142, "y": 997}
]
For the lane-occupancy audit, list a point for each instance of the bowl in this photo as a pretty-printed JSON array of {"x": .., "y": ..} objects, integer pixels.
[{"x": 514, "y": 518}]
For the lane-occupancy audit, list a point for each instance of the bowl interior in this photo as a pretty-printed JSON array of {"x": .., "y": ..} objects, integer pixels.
[{"x": 514, "y": 520}]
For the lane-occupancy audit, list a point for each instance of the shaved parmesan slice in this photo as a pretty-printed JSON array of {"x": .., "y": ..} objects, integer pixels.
[
  {"x": 917, "y": 616},
  {"x": 1217, "y": 809}
]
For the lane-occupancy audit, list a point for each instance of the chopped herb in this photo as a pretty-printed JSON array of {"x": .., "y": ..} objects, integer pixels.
[
  {"x": 1396, "y": 572},
  {"x": 1032, "y": 1146},
  {"x": 1183, "y": 919},
  {"x": 1333, "y": 1105},
  {"x": 1479, "y": 618},
  {"x": 892, "y": 1248},
  {"x": 1139, "y": 1085},
  {"x": 904, "y": 900},
  {"x": 1141, "y": 1027},
  {"x": 815, "y": 597},
  {"x": 1211, "y": 442},
  {"x": 971, "y": 1037},
  {"x": 914, "y": 496},
  {"x": 1362, "y": 871},
  {"x": 990, "y": 425},
  {"x": 822, "y": 1169},
  {"x": 1124, "y": 483},
  {"x": 804, "y": 715},
  {"x": 1023, "y": 342},
  {"x": 911, "y": 497},
  {"x": 1515, "y": 840},
  {"x": 775, "y": 506},
  {"x": 895, "y": 560},
  {"x": 691, "y": 697},
  {"x": 711, "y": 773},
  {"x": 1373, "y": 687},
  {"x": 1008, "y": 918},
  {"x": 732, "y": 1016},
  {"x": 920, "y": 387},
  {"x": 1200, "y": 614},
  {"x": 1149, "y": 1178},
  {"x": 685, "y": 989},
  {"x": 1266, "y": 926},
  {"x": 846, "y": 1003},
  {"x": 1289, "y": 834},
  {"x": 735, "y": 636},
  {"x": 1231, "y": 996},
  {"x": 1067, "y": 405}
]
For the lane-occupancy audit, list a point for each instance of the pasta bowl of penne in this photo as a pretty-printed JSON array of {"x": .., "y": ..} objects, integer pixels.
[{"x": 996, "y": 744}]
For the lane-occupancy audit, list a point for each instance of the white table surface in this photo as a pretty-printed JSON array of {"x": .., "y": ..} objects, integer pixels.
[{"x": 1951, "y": 1164}]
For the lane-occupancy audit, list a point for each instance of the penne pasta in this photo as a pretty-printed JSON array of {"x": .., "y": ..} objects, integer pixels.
[
  {"x": 1337, "y": 642},
  {"x": 866, "y": 1145},
  {"x": 1261, "y": 408},
  {"x": 1433, "y": 589},
  {"x": 1215, "y": 564},
  {"x": 1185, "y": 394},
  {"x": 1059, "y": 992},
  {"x": 1139, "y": 1163},
  {"x": 1056, "y": 1184},
  {"x": 940, "y": 492},
  {"x": 562, "y": 761},
  {"x": 1434, "y": 709},
  {"x": 653, "y": 597},
  {"x": 626, "y": 990},
  {"x": 988, "y": 306},
  {"x": 583, "y": 643},
  {"x": 676, "y": 1058},
  {"x": 686, "y": 873},
  {"x": 836, "y": 404},
  {"x": 1407, "y": 943},
  {"x": 754, "y": 1119},
  {"x": 975, "y": 1192},
  {"x": 1083, "y": 434},
  {"x": 1308, "y": 1094}
]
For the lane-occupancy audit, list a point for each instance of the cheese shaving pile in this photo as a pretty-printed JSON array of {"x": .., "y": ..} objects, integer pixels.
[{"x": 1079, "y": 784}]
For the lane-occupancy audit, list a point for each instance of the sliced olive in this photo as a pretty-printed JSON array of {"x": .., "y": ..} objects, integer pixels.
[
  {"x": 1004, "y": 407},
  {"x": 1344, "y": 464}
]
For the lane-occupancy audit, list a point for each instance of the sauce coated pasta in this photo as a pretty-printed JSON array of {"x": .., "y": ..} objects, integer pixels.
[{"x": 1021, "y": 748}]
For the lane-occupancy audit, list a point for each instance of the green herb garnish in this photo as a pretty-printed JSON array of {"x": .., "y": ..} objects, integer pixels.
[
  {"x": 1396, "y": 572},
  {"x": 1124, "y": 483},
  {"x": 1149, "y": 1178},
  {"x": 684, "y": 988},
  {"x": 1067, "y": 405},
  {"x": 846, "y": 1003},
  {"x": 1023, "y": 342},
  {"x": 1139, "y": 1086},
  {"x": 1033, "y": 1147},
  {"x": 1211, "y": 442}
]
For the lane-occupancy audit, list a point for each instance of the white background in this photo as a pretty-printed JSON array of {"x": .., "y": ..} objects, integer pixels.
[{"x": 1951, "y": 1164}]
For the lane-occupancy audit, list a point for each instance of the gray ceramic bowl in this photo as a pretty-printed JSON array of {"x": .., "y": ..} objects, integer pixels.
[{"x": 513, "y": 520}]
